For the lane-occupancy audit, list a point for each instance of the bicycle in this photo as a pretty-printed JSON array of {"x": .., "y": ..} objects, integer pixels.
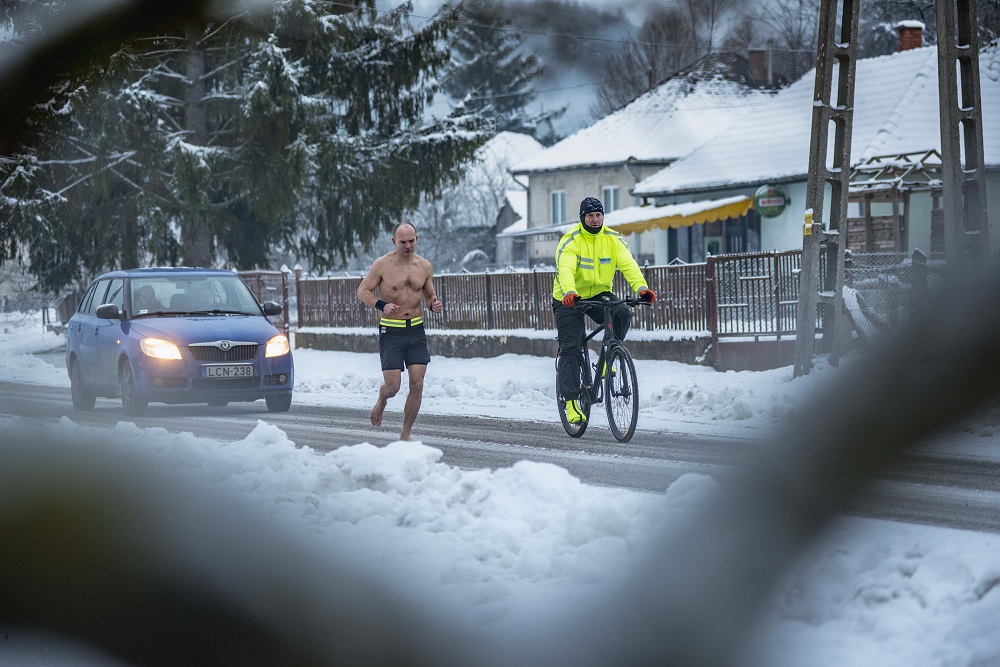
[{"x": 618, "y": 388}]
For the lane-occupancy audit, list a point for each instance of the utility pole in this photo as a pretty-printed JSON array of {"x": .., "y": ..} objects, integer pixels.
[
  {"x": 966, "y": 227},
  {"x": 963, "y": 186},
  {"x": 841, "y": 50}
]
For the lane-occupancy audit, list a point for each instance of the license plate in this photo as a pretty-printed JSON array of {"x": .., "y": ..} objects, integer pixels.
[{"x": 229, "y": 371}]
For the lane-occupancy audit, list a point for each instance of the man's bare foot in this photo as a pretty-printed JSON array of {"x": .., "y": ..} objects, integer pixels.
[
  {"x": 405, "y": 436},
  {"x": 376, "y": 413}
]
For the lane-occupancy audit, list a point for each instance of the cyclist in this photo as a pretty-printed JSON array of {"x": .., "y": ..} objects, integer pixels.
[{"x": 586, "y": 260}]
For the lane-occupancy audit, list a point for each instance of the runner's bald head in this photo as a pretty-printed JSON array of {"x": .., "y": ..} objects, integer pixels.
[{"x": 400, "y": 225}]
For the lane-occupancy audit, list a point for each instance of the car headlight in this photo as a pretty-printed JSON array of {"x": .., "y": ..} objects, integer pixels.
[
  {"x": 277, "y": 346},
  {"x": 159, "y": 348}
]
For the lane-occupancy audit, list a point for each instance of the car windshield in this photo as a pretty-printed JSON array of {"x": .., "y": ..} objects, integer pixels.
[{"x": 184, "y": 295}]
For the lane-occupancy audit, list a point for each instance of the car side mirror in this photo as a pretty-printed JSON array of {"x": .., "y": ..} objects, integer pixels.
[
  {"x": 109, "y": 311},
  {"x": 271, "y": 308}
]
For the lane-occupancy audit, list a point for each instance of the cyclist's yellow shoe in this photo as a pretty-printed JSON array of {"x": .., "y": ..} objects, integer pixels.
[{"x": 574, "y": 415}]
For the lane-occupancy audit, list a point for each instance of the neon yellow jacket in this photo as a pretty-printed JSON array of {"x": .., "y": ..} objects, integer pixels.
[{"x": 586, "y": 263}]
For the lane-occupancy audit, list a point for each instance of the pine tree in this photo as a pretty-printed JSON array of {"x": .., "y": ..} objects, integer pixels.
[
  {"x": 492, "y": 72},
  {"x": 217, "y": 144}
]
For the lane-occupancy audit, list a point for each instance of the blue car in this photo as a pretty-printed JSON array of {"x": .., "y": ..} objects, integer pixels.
[{"x": 176, "y": 335}]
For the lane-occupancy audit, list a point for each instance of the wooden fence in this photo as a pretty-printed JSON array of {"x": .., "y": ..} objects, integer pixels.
[{"x": 728, "y": 295}]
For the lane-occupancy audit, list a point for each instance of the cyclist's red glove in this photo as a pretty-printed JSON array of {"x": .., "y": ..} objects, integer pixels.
[
  {"x": 647, "y": 294},
  {"x": 570, "y": 299}
]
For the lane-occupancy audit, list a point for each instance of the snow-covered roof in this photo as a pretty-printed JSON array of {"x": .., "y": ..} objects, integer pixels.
[
  {"x": 512, "y": 229},
  {"x": 518, "y": 200},
  {"x": 660, "y": 126},
  {"x": 895, "y": 112},
  {"x": 477, "y": 199},
  {"x": 507, "y": 148}
]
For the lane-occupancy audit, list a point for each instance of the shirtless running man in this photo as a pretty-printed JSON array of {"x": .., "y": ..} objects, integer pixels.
[{"x": 403, "y": 278}]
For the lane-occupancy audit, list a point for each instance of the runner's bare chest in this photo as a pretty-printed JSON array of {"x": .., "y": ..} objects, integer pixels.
[{"x": 402, "y": 284}]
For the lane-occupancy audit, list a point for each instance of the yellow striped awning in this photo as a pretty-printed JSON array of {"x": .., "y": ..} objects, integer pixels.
[{"x": 673, "y": 216}]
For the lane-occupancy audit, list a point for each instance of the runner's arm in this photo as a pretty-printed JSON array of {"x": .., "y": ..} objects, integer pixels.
[
  {"x": 430, "y": 294},
  {"x": 370, "y": 283}
]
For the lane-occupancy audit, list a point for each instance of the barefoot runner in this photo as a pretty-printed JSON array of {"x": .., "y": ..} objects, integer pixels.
[{"x": 403, "y": 278}]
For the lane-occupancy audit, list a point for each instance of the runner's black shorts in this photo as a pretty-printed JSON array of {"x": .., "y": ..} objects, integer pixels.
[{"x": 401, "y": 347}]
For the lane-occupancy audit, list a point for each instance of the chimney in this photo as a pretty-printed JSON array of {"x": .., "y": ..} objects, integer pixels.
[{"x": 910, "y": 35}]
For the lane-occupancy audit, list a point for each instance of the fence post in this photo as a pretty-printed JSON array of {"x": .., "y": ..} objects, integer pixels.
[
  {"x": 284, "y": 302},
  {"x": 298, "y": 295},
  {"x": 537, "y": 297},
  {"x": 489, "y": 302},
  {"x": 713, "y": 319},
  {"x": 443, "y": 289},
  {"x": 776, "y": 275},
  {"x": 329, "y": 301}
]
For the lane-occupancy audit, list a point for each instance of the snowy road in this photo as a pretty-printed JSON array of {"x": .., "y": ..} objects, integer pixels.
[{"x": 932, "y": 486}]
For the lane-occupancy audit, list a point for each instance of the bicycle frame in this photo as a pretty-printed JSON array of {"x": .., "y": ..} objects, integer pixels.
[
  {"x": 617, "y": 388},
  {"x": 610, "y": 339}
]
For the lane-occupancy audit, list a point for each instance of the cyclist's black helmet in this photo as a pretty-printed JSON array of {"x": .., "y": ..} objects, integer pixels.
[{"x": 590, "y": 205}]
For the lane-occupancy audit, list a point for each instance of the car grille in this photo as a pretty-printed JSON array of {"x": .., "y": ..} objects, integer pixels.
[
  {"x": 226, "y": 385},
  {"x": 213, "y": 353}
]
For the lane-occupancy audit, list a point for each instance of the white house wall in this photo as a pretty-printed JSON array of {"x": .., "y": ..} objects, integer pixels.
[{"x": 578, "y": 184}]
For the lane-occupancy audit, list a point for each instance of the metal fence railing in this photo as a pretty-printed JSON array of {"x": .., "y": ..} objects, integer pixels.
[
  {"x": 730, "y": 295},
  {"x": 754, "y": 294},
  {"x": 506, "y": 300}
]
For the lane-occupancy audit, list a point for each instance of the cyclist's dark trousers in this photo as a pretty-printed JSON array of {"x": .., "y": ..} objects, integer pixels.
[{"x": 570, "y": 325}]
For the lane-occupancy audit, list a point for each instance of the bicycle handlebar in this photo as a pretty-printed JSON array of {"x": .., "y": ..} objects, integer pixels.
[{"x": 632, "y": 302}]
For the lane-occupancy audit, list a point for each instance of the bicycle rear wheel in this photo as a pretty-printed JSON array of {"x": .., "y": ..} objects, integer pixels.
[
  {"x": 621, "y": 393},
  {"x": 575, "y": 430}
]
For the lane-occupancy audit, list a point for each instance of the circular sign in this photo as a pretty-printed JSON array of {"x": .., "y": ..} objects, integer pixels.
[{"x": 770, "y": 201}]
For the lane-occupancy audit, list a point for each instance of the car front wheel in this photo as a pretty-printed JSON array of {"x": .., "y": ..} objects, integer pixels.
[
  {"x": 82, "y": 399},
  {"x": 278, "y": 402},
  {"x": 132, "y": 405}
]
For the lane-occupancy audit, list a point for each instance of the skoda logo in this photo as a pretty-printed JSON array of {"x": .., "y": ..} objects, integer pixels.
[{"x": 225, "y": 345}]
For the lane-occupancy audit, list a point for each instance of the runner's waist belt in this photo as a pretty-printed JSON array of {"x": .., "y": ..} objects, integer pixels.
[{"x": 412, "y": 322}]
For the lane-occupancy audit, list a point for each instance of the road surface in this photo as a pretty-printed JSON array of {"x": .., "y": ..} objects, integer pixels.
[{"x": 930, "y": 486}]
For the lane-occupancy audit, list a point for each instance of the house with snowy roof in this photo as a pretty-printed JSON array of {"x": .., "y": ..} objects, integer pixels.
[
  {"x": 894, "y": 204},
  {"x": 609, "y": 158}
]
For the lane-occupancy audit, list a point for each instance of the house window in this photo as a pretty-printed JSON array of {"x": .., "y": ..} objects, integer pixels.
[
  {"x": 609, "y": 196},
  {"x": 558, "y": 207}
]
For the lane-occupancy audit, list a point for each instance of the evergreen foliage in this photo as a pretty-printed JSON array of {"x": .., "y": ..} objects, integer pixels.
[
  {"x": 493, "y": 73},
  {"x": 217, "y": 144}
]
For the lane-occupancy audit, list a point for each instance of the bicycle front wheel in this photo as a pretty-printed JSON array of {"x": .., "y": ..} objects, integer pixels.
[
  {"x": 574, "y": 429},
  {"x": 621, "y": 393}
]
